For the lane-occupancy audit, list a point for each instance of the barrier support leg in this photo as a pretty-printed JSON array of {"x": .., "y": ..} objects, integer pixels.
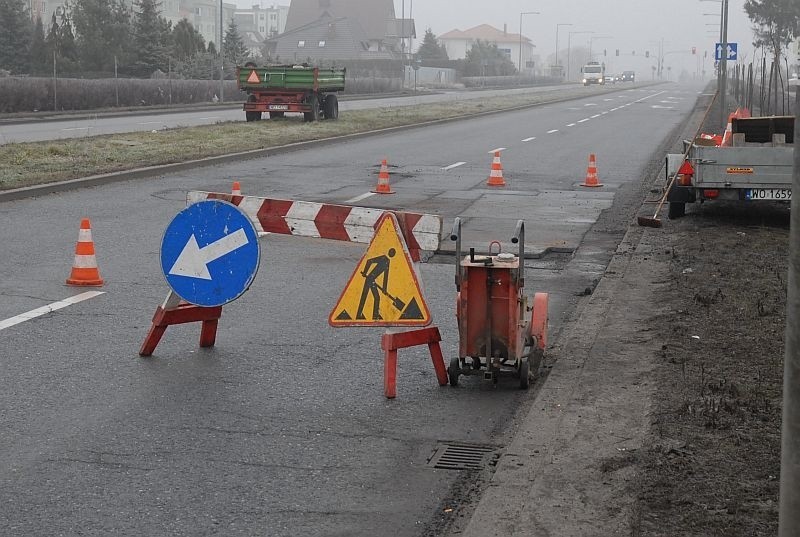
[
  {"x": 174, "y": 311},
  {"x": 391, "y": 342}
]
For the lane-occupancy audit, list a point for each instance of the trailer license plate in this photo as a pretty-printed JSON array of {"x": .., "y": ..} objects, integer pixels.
[
  {"x": 769, "y": 194},
  {"x": 279, "y": 107}
]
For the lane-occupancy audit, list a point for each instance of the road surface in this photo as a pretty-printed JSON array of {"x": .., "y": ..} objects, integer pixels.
[{"x": 282, "y": 428}]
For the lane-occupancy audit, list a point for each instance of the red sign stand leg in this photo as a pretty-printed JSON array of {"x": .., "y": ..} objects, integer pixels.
[
  {"x": 390, "y": 342},
  {"x": 175, "y": 311}
]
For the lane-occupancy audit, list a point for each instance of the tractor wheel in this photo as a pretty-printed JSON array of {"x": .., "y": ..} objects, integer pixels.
[
  {"x": 331, "y": 107},
  {"x": 453, "y": 371},
  {"x": 313, "y": 101}
]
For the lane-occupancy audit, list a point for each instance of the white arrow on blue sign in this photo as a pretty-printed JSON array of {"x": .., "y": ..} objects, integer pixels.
[
  {"x": 733, "y": 51},
  {"x": 210, "y": 253}
]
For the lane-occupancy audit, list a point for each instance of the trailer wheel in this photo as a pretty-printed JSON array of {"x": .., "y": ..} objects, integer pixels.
[
  {"x": 313, "y": 101},
  {"x": 453, "y": 371},
  {"x": 524, "y": 374},
  {"x": 331, "y": 107},
  {"x": 252, "y": 116},
  {"x": 677, "y": 209},
  {"x": 273, "y": 115}
]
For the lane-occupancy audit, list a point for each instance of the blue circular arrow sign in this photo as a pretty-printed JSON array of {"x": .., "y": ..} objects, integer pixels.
[{"x": 210, "y": 253}]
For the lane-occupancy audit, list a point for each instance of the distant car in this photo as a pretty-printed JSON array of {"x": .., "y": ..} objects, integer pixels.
[{"x": 628, "y": 76}]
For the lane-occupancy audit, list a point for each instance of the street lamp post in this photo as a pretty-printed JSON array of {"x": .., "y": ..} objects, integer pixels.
[
  {"x": 569, "y": 39},
  {"x": 722, "y": 72},
  {"x": 557, "y": 25},
  {"x": 221, "y": 60},
  {"x": 520, "y": 35}
]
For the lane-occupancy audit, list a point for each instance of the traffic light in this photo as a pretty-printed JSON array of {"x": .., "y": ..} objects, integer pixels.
[
  {"x": 605, "y": 52},
  {"x": 617, "y": 52},
  {"x": 694, "y": 50},
  {"x": 633, "y": 53},
  {"x": 646, "y": 53}
]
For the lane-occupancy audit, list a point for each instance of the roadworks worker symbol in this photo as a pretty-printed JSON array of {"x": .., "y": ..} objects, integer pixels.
[
  {"x": 384, "y": 289},
  {"x": 253, "y": 78}
]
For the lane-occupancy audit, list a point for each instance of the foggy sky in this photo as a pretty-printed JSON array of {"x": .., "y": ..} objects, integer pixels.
[{"x": 633, "y": 25}]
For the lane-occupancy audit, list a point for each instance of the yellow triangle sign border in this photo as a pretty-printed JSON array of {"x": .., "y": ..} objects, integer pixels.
[{"x": 340, "y": 317}]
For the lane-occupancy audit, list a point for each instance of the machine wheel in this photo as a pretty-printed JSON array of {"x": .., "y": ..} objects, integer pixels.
[
  {"x": 273, "y": 115},
  {"x": 677, "y": 209},
  {"x": 453, "y": 371},
  {"x": 252, "y": 116},
  {"x": 524, "y": 374},
  {"x": 331, "y": 107},
  {"x": 313, "y": 101}
]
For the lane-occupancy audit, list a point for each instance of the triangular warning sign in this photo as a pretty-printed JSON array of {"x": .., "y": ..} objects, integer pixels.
[
  {"x": 384, "y": 290},
  {"x": 253, "y": 78}
]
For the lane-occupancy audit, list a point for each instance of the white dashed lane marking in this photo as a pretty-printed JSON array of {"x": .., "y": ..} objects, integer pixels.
[{"x": 44, "y": 310}]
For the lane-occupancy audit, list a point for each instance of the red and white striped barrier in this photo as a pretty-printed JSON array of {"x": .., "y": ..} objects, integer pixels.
[{"x": 327, "y": 221}]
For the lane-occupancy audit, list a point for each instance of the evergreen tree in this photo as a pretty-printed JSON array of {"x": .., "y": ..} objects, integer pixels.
[
  {"x": 40, "y": 60},
  {"x": 212, "y": 49},
  {"x": 151, "y": 38},
  {"x": 15, "y": 36},
  {"x": 430, "y": 48},
  {"x": 186, "y": 41},
  {"x": 233, "y": 49},
  {"x": 485, "y": 59},
  {"x": 103, "y": 28},
  {"x": 61, "y": 41}
]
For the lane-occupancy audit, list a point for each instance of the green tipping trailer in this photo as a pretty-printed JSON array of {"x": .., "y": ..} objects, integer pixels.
[{"x": 290, "y": 88}]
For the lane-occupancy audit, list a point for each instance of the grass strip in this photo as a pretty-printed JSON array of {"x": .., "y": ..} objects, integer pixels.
[{"x": 34, "y": 163}]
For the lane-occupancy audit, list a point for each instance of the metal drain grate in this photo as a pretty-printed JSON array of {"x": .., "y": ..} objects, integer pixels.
[{"x": 460, "y": 456}]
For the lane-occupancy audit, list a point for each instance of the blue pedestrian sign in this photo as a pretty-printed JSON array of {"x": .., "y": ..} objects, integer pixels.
[
  {"x": 732, "y": 52},
  {"x": 210, "y": 253}
]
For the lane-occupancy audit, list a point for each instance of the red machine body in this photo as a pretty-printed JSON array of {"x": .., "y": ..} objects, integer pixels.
[{"x": 495, "y": 333}]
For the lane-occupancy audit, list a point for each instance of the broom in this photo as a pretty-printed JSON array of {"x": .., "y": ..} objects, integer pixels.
[{"x": 654, "y": 221}]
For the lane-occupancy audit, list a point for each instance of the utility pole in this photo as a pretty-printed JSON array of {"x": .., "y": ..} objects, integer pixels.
[{"x": 789, "y": 510}]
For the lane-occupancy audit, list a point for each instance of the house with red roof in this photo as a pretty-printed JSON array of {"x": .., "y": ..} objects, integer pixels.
[{"x": 458, "y": 42}]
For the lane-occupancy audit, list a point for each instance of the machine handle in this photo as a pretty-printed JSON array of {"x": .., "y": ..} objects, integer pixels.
[
  {"x": 455, "y": 235},
  {"x": 519, "y": 237}
]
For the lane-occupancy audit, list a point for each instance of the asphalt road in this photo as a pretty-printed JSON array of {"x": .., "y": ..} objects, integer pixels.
[
  {"x": 282, "y": 428},
  {"x": 85, "y": 124}
]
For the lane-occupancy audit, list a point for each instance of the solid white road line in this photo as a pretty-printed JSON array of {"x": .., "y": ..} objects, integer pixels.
[
  {"x": 361, "y": 197},
  {"x": 76, "y": 129},
  {"x": 456, "y": 165},
  {"x": 150, "y": 123},
  {"x": 44, "y": 310},
  {"x": 552, "y": 131},
  {"x": 496, "y": 150},
  {"x": 529, "y": 139}
]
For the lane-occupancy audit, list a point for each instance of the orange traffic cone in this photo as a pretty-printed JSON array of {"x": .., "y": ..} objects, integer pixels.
[
  {"x": 237, "y": 189},
  {"x": 496, "y": 175},
  {"x": 383, "y": 180},
  {"x": 84, "y": 269},
  {"x": 591, "y": 173}
]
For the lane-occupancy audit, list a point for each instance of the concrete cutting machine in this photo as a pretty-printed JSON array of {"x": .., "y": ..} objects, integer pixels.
[{"x": 496, "y": 335}]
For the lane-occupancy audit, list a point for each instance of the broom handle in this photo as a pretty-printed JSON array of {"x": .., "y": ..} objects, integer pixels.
[{"x": 685, "y": 155}]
